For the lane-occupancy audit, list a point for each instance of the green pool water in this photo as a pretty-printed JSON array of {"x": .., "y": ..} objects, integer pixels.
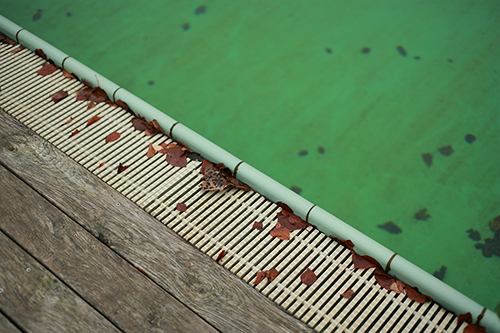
[{"x": 266, "y": 80}]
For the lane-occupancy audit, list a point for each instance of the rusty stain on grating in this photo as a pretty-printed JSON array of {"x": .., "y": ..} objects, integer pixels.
[{"x": 214, "y": 221}]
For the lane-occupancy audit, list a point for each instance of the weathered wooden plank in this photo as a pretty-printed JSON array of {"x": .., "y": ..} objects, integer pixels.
[
  {"x": 211, "y": 291},
  {"x": 38, "y": 301},
  {"x": 107, "y": 282},
  {"x": 6, "y": 326}
]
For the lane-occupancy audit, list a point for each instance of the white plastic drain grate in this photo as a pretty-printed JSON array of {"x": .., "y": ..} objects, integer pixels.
[{"x": 214, "y": 221}]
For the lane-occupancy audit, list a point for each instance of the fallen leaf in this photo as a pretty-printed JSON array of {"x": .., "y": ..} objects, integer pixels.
[
  {"x": 390, "y": 227},
  {"x": 466, "y": 317},
  {"x": 348, "y": 293},
  {"x": 221, "y": 255},
  {"x": 287, "y": 222},
  {"x": 122, "y": 104},
  {"x": 284, "y": 206},
  {"x": 92, "y": 120},
  {"x": 141, "y": 124},
  {"x": 257, "y": 225},
  {"x": 473, "y": 328},
  {"x": 238, "y": 184},
  {"x": 386, "y": 281},
  {"x": 121, "y": 168},
  {"x": 112, "y": 137},
  {"x": 446, "y": 150},
  {"x": 427, "y": 157},
  {"x": 494, "y": 223},
  {"x": 67, "y": 74},
  {"x": 6, "y": 40},
  {"x": 100, "y": 165},
  {"x": 272, "y": 274},
  {"x": 474, "y": 234},
  {"x": 20, "y": 48},
  {"x": 47, "y": 69},
  {"x": 213, "y": 181},
  {"x": 74, "y": 133},
  {"x": 207, "y": 165},
  {"x": 422, "y": 214},
  {"x": 158, "y": 148},
  {"x": 151, "y": 150},
  {"x": 347, "y": 243},
  {"x": 95, "y": 95},
  {"x": 260, "y": 276},
  {"x": 195, "y": 157},
  {"x": 414, "y": 294},
  {"x": 59, "y": 96},
  {"x": 180, "y": 161},
  {"x": 440, "y": 274},
  {"x": 90, "y": 105},
  {"x": 68, "y": 121},
  {"x": 40, "y": 53},
  {"x": 181, "y": 207},
  {"x": 364, "y": 261},
  {"x": 308, "y": 277},
  {"x": 174, "y": 150}
]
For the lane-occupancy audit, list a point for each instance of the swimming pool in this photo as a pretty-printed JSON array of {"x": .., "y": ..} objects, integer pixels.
[{"x": 268, "y": 82}]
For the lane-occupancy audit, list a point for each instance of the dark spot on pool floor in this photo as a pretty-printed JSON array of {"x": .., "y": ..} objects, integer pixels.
[
  {"x": 328, "y": 50},
  {"x": 69, "y": 14},
  {"x": 427, "y": 157},
  {"x": 365, "y": 50},
  {"x": 401, "y": 50},
  {"x": 474, "y": 234},
  {"x": 296, "y": 189},
  {"x": 151, "y": 82},
  {"x": 303, "y": 153},
  {"x": 440, "y": 274},
  {"x": 321, "y": 150},
  {"x": 200, "y": 10},
  {"x": 38, "y": 15},
  {"x": 446, "y": 150},
  {"x": 185, "y": 26},
  {"x": 422, "y": 214},
  {"x": 470, "y": 138},
  {"x": 390, "y": 227}
]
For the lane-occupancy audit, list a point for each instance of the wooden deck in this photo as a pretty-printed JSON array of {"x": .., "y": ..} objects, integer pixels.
[{"x": 77, "y": 256}]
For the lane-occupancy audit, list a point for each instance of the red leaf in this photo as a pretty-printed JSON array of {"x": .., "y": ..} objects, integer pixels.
[
  {"x": 284, "y": 206},
  {"x": 68, "y": 121},
  {"x": 121, "y": 168},
  {"x": 414, "y": 295},
  {"x": 207, "y": 165},
  {"x": 346, "y": 243},
  {"x": 174, "y": 150},
  {"x": 47, "y": 69},
  {"x": 287, "y": 222},
  {"x": 221, "y": 255},
  {"x": 348, "y": 293},
  {"x": 92, "y": 120},
  {"x": 83, "y": 94},
  {"x": 177, "y": 161},
  {"x": 100, "y": 165},
  {"x": 141, "y": 124},
  {"x": 90, "y": 105},
  {"x": 20, "y": 48},
  {"x": 74, "y": 133},
  {"x": 151, "y": 151},
  {"x": 364, "y": 261},
  {"x": 389, "y": 282},
  {"x": 472, "y": 328},
  {"x": 41, "y": 53},
  {"x": 59, "y": 96},
  {"x": 272, "y": 274},
  {"x": 238, "y": 184},
  {"x": 122, "y": 104},
  {"x": 158, "y": 128},
  {"x": 68, "y": 74},
  {"x": 181, "y": 207},
  {"x": 260, "y": 276},
  {"x": 467, "y": 317},
  {"x": 308, "y": 277},
  {"x": 112, "y": 137},
  {"x": 98, "y": 95},
  {"x": 257, "y": 225}
]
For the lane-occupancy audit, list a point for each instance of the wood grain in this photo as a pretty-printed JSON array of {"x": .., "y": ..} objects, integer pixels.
[
  {"x": 6, "y": 326},
  {"x": 107, "y": 282},
  {"x": 38, "y": 301},
  {"x": 214, "y": 293}
]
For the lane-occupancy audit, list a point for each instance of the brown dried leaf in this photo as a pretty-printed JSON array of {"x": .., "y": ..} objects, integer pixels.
[
  {"x": 348, "y": 293},
  {"x": 151, "y": 150},
  {"x": 98, "y": 95},
  {"x": 213, "y": 181},
  {"x": 92, "y": 120},
  {"x": 466, "y": 317},
  {"x": 100, "y": 165},
  {"x": 272, "y": 274},
  {"x": 20, "y": 48},
  {"x": 364, "y": 261},
  {"x": 59, "y": 96},
  {"x": 347, "y": 243},
  {"x": 181, "y": 207},
  {"x": 40, "y": 53},
  {"x": 260, "y": 276},
  {"x": 90, "y": 105},
  {"x": 207, "y": 165},
  {"x": 122, "y": 168},
  {"x": 308, "y": 277},
  {"x": 47, "y": 69},
  {"x": 74, "y": 133},
  {"x": 287, "y": 222},
  {"x": 474, "y": 328},
  {"x": 221, "y": 255},
  {"x": 257, "y": 225},
  {"x": 415, "y": 295},
  {"x": 112, "y": 137},
  {"x": 180, "y": 161},
  {"x": 67, "y": 74},
  {"x": 174, "y": 150},
  {"x": 68, "y": 121}
]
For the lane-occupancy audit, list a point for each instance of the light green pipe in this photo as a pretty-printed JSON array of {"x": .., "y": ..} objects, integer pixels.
[{"x": 263, "y": 184}]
